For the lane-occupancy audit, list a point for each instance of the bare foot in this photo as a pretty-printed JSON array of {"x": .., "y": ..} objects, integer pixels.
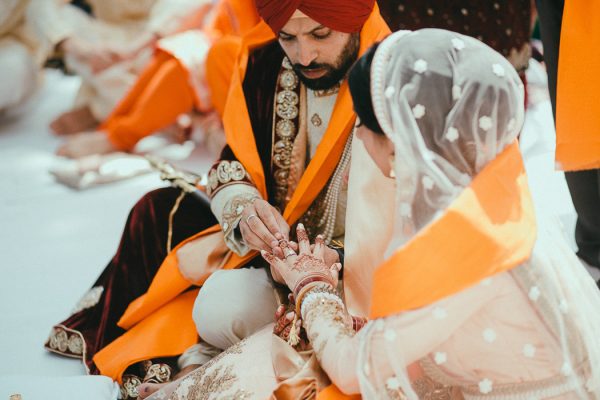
[
  {"x": 85, "y": 144},
  {"x": 74, "y": 121}
]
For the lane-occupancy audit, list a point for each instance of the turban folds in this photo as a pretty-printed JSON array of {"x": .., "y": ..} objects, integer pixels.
[{"x": 340, "y": 15}]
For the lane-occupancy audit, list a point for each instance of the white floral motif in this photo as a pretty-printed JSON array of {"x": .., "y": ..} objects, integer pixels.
[
  {"x": 485, "y": 386},
  {"x": 458, "y": 44},
  {"x": 427, "y": 183},
  {"x": 389, "y": 92},
  {"x": 529, "y": 350},
  {"x": 390, "y": 335},
  {"x": 420, "y": 66},
  {"x": 418, "y": 111},
  {"x": 456, "y": 92},
  {"x": 452, "y": 134},
  {"x": 498, "y": 70},
  {"x": 489, "y": 335},
  {"x": 485, "y": 123},
  {"x": 393, "y": 383},
  {"x": 566, "y": 369},
  {"x": 534, "y": 293},
  {"x": 440, "y": 357},
  {"x": 486, "y": 282},
  {"x": 405, "y": 210},
  {"x": 440, "y": 313}
]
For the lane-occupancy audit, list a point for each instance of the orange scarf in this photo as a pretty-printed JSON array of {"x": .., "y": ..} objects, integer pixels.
[
  {"x": 490, "y": 228},
  {"x": 577, "y": 113}
]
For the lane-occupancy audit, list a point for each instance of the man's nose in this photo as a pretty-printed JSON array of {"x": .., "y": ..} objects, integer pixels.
[{"x": 306, "y": 54}]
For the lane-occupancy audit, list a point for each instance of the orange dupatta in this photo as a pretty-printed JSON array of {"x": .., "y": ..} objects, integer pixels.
[
  {"x": 577, "y": 111},
  {"x": 490, "y": 228},
  {"x": 151, "y": 333}
]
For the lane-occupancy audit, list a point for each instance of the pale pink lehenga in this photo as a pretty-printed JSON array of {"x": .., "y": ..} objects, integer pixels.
[{"x": 262, "y": 366}]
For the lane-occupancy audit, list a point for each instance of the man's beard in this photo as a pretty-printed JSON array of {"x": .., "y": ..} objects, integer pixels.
[{"x": 334, "y": 73}]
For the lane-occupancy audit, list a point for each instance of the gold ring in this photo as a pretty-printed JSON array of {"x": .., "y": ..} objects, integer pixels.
[{"x": 249, "y": 217}]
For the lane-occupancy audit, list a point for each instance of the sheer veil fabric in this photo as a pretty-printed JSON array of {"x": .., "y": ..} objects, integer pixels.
[{"x": 451, "y": 105}]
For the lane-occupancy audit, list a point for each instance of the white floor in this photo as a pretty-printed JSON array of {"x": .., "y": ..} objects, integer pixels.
[{"x": 54, "y": 241}]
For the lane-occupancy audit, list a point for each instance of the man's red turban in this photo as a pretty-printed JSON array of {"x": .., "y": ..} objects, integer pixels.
[{"x": 340, "y": 15}]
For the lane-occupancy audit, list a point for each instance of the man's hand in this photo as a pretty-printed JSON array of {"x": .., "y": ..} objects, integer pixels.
[
  {"x": 262, "y": 226},
  {"x": 85, "y": 144},
  {"x": 97, "y": 56}
]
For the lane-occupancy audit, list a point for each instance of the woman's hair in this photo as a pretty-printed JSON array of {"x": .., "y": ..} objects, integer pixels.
[{"x": 359, "y": 81}]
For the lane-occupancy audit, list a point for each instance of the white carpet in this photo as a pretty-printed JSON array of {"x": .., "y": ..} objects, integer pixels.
[{"x": 54, "y": 241}]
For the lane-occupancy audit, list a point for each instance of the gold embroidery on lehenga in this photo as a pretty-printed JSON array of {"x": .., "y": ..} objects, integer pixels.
[
  {"x": 205, "y": 384},
  {"x": 428, "y": 389},
  {"x": 89, "y": 300},
  {"x": 158, "y": 373},
  {"x": 129, "y": 388}
]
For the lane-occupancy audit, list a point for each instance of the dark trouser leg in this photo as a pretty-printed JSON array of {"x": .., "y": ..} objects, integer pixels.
[
  {"x": 583, "y": 185},
  {"x": 129, "y": 274},
  {"x": 550, "y": 15},
  {"x": 585, "y": 192}
]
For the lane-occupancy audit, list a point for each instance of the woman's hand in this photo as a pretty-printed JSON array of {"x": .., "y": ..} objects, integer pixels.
[{"x": 308, "y": 264}]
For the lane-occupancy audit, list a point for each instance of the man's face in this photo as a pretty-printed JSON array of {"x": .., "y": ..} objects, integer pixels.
[{"x": 319, "y": 55}]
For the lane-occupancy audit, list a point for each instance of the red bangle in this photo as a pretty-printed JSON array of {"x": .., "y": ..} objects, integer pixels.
[{"x": 310, "y": 279}]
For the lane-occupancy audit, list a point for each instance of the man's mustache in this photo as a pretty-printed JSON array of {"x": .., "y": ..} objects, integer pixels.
[{"x": 310, "y": 67}]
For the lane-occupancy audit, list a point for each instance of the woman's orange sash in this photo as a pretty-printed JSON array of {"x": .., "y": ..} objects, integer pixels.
[{"x": 490, "y": 228}]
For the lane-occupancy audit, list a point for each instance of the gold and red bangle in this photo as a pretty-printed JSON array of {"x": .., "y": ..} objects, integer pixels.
[
  {"x": 314, "y": 277},
  {"x": 308, "y": 283}
]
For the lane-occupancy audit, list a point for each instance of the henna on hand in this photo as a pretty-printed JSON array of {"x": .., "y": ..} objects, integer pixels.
[{"x": 309, "y": 263}]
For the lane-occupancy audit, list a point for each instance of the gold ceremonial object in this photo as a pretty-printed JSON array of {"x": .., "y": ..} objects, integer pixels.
[{"x": 183, "y": 180}]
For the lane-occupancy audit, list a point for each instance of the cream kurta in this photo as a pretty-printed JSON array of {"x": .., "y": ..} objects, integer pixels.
[{"x": 21, "y": 53}]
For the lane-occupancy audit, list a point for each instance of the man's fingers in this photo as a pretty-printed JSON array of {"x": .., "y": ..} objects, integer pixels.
[
  {"x": 284, "y": 227},
  {"x": 249, "y": 237},
  {"x": 257, "y": 226},
  {"x": 265, "y": 213},
  {"x": 252, "y": 239}
]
